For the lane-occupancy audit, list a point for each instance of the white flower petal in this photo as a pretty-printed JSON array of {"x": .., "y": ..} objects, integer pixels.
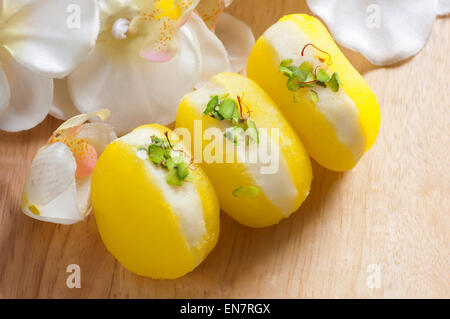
[
  {"x": 135, "y": 90},
  {"x": 31, "y": 97},
  {"x": 214, "y": 56},
  {"x": 50, "y": 191},
  {"x": 99, "y": 135},
  {"x": 384, "y": 31},
  {"x": 238, "y": 39},
  {"x": 51, "y": 37},
  {"x": 5, "y": 93},
  {"x": 62, "y": 107},
  {"x": 443, "y": 7},
  {"x": 209, "y": 11},
  {"x": 80, "y": 119}
]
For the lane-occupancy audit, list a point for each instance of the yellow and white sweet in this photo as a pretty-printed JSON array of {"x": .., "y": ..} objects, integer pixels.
[
  {"x": 337, "y": 128},
  {"x": 154, "y": 229},
  {"x": 247, "y": 193}
]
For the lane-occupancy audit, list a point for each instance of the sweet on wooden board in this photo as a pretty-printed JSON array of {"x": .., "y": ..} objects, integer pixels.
[{"x": 390, "y": 211}]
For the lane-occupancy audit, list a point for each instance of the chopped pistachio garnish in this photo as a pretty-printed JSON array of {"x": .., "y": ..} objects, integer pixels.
[
  {"x": 305, "y": 76},
  {"x": 314, "y": 96},
  {"x": 162, "y": 153},
  {"x": 334, "y": 82},
  {"x": 225, "y": 108},
  {"x": 250, "y": 191},
  {"x": 322, "y": 76}
]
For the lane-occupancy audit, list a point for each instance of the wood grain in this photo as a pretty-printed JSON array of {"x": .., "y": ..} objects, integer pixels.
[{"x": 391, "y": 210}]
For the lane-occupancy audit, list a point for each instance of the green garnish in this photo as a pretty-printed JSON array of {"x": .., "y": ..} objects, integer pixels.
[
  {"x": 286, "y": 62},
  {"x": 293, "y": 84},
  {"x": 156, "y": 154},
  {"x": 182, "y": 170},
  {"x": 225, "y": 108},
  {"x": 286, "y": 71},
  {"x": 306, "y": 68},
  {"x": 250, "y": 191},
  {"x": 322, "y": 76},
  {"x": 334, "y": 82},
  {"x": 314, "y": 96},
  {"x": 253, "y": 130},
  {"x": 305, "y": 76},
  {"x": 211, "y": 105},
  {"x": 162, "y": 153}
]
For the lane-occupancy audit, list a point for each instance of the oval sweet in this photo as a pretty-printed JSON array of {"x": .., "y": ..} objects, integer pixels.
[
  {"x": 156, "y": 213},
  {"x": 325, "y": 99},
  {"x": 254, "y": 159}
]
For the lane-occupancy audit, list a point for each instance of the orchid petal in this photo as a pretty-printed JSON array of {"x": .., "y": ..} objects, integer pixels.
[
  {"x": 210, "y": 10},
  {"x": 134, "y": 89},
  {"x": 158, "y": 56},
  {"x": 54, "y": 190},
  {"x": 443, "y": 7},
  {"x": 5, "y": 92},
  {"x": 238, "y": 39},
  {"x": 214, "y": 56},
  {"x": 384, "y": 31},
  {"x": 30, "y": 100},
  {"x": 158, "y": 21},
  {"x": 99, "y": 135},
  {"x": 50, "y": 192},
  {"x": 80, "y": 119},
  {"x": 62, "y": 107},
  {"x": 51, "y": 37}
]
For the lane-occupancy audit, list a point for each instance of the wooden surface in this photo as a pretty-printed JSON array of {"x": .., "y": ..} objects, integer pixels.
[{"x": 392, "y": 210}]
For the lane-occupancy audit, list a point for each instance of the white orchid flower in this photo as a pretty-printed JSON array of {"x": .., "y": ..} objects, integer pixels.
[
  {"x": 384, "y": 31},
  {"x": 148, "y": 55},
  {"x": 58, "y": 184},
  {"x": 40, "y": 40}
]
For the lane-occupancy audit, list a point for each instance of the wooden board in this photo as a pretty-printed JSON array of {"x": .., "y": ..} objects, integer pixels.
[{"x": 392, "y": 210}]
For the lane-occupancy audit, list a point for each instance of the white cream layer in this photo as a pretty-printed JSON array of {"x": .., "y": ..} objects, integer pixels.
[
  {"x": 184, "y": 200},
  {"x": 278, "y": 187},
  {"x": 288, "y": 40}
]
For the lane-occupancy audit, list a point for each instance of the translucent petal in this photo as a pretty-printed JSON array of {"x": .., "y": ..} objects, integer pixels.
[
  {"x": 134, "y": 89},
  {"x": 238, "y": 40},
  {"x": 98, "y": 135},
  {"x": 5, "y": 93},
  {"x": 80, "y": 119},
  {"x": 384, "y": 31},
  {"x": 210, "y": 10},
  {"x": 51, "y": 37},
  {"x": 50, "y": 192},
  {"x": 62, "y": 107},
  {"x": 30, "y": 99},
  {"x": 214, "y": 56}
]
